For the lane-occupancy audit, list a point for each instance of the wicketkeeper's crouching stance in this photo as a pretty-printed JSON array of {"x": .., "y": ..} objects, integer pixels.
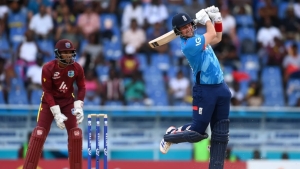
[
  {"x": 211, "y": 95},
  {"x": 59, "y": 103}
]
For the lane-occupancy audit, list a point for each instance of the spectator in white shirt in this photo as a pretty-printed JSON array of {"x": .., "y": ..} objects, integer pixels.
[
  {"x": 179, "y": 88},
  {"x": 41, "y": 23},
  {"x": 267, "y": 33},
  {"x": 134, "y": 10},
  {"x": 134, "y": 36},
  {"x": 33, "y": 76},
  {"x": 155, "y": 12}
]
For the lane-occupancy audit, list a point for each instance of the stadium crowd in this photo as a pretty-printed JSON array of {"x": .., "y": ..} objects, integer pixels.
[{"x": 259, "y": 51}]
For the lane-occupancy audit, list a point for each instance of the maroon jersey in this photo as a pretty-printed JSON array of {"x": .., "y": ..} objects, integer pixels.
[{"x": 58, "y": 82}]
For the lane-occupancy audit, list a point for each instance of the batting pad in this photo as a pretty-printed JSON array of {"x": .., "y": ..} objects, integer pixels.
[
  {"x": 75, "y": 148},
  {"x": 35, "y": 147},
  {"x": 184, "y": 136},
  {"x": 219, "y": 140}
]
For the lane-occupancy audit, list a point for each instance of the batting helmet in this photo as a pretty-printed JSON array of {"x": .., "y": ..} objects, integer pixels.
[
  {"x": 64, "y": 45},
  {"x": 181, "y": 19}
]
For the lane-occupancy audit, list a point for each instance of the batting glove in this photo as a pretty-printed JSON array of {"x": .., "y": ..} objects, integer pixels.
[
  {"x": 78, "y": 111},
  {"x": 215, "y": 17},
  {"x": 202, "y": 17},
  {"x": 212, "y": 9},
  {"x": 58, "y": 116}
]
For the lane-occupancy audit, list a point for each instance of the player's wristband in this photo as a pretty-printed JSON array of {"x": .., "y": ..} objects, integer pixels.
[{"x": 218, "y": 27}]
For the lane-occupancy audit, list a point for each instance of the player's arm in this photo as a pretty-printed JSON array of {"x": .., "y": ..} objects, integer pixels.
[
  {"x": 47, "y": 86},
  {"x": 204, "y": 19},
  {"x": 78, "y": 104},
  {"x": 218, "y": 38},
  {"x": 80, "y": 81},
  {"x": 215, "y": 15}
]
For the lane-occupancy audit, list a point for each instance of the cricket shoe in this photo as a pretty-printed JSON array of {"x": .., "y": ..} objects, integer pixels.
[{"x": 165, "y": 146}]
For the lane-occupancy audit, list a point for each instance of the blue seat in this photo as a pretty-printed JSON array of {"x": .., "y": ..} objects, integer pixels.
[
  {"x": 95, "y": 102},
  {"x": 112, "y": 50},
  {"x": 4, "y": 46},
  {"x": 2, "y": 101},
  {"x": 176, "y": 48},
  {"x": 18, "y": 97},
  {"x": 46, "y": 46},
  {"x": 102, "y": 72},
  {"x": 250, "y": 65},
  {"x": 282, "y": 7},
  {"x": 113, "y": 103},
  {"x": 160, "y": 61},
  {"x": 35, "y": 97},
  {"x": 293, "y": 91},
  {"x": 142, "y": 61},
  {"x": 244, "y": 20},
  {"x": 17, "y": 84},
  {"x": 246, "y": 33},
  {"x": 271, "y": 72},
  {"x": 274, "y": 98}
]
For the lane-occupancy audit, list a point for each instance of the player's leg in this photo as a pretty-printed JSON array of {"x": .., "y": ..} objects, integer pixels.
[
  {"x": 220, "y": 130},
  {"x": 38, "y": 137},
  {"x": 74, "y": 138},
  {"x": 203, "y": 107}
]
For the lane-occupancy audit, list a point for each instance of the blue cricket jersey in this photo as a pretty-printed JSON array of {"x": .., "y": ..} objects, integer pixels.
[{"x": 202, "y": 59}]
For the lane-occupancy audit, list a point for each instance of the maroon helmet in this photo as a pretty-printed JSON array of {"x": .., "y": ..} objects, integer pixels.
[{"x": 64, "y": 45}]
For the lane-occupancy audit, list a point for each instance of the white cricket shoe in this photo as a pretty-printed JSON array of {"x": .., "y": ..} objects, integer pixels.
[{"x": 165, "y": 146}]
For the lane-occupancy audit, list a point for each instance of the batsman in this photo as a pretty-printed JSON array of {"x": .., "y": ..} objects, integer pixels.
[
  {"x": 58, "y": 103},
  {"x": 211, "y": 95}
]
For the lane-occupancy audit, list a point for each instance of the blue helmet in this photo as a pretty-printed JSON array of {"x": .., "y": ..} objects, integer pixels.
[{"x": 181, "y": 19}]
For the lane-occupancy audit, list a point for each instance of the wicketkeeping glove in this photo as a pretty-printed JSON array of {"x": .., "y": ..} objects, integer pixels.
[
  {"x": 202, "y": 17},
  {"x": 58, "y": 116},
  {"x": 78, "y": 111}
]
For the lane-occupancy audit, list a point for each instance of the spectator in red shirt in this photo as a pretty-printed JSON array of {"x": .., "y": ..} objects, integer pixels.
[{"x": 129, "y": 63}]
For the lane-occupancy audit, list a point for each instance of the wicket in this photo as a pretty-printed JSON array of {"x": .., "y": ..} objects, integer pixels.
[{"x": 97, "y": 140}]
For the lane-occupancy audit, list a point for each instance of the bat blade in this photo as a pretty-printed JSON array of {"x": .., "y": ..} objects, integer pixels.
[{"x": 163, "y": 39}]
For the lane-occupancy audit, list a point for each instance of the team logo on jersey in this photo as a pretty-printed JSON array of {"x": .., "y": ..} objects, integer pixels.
[
  {"x": 198, "y": 41},
  {"x": 68, "y": 45},
  {"x": 63, "y": 87},
  {"x": 71, "y": 73},
  {"x": 56, "y": 75}
]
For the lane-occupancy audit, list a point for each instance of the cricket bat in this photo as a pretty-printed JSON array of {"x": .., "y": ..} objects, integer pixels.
[{"x": 165, "y": 38}]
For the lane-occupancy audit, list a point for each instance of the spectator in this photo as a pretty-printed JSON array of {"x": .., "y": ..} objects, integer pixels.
[
  {"x": 129, "y": 63},
  {"x": 276, "y": 53},
  {"x": 33, "y": 75},
  {"x": 155, "y": 12},
  {"x": 3, "y": 9},
  {"x": 267, "y": 33},
  {"x": 254, "y": 97},
  {"x": 297, "y": 8},
  {"x": 179, "y": 88},
  {"x": 133, "y": 10},
  {"x": 92, "y": 50},
  {"x": 291, "y": 63},
  {"x": 290, "y": 25},
  {"x": 192, "y": 8},
  {"x": 285, "y": 156},
  {"x": 7, "y": 73},
  {"x": 88, "y": 22},
  {"x": 113, "y": 88},
  {"x": 41, "y": 23},
  {"x": 227, "y": 52},
  {"x": 135, "y": 88},
  {"x": 28, "y": 49},
  {"x": 238, "y": 97},
  {"x": 67, "y": 31},
  {"x": 134, "y": 36},
  {"x": 229, "y": 24},
  {"x": 64, "y": 17},
  {"x": 92, "y": 86},
  {"x": 268, "y": 11}
]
